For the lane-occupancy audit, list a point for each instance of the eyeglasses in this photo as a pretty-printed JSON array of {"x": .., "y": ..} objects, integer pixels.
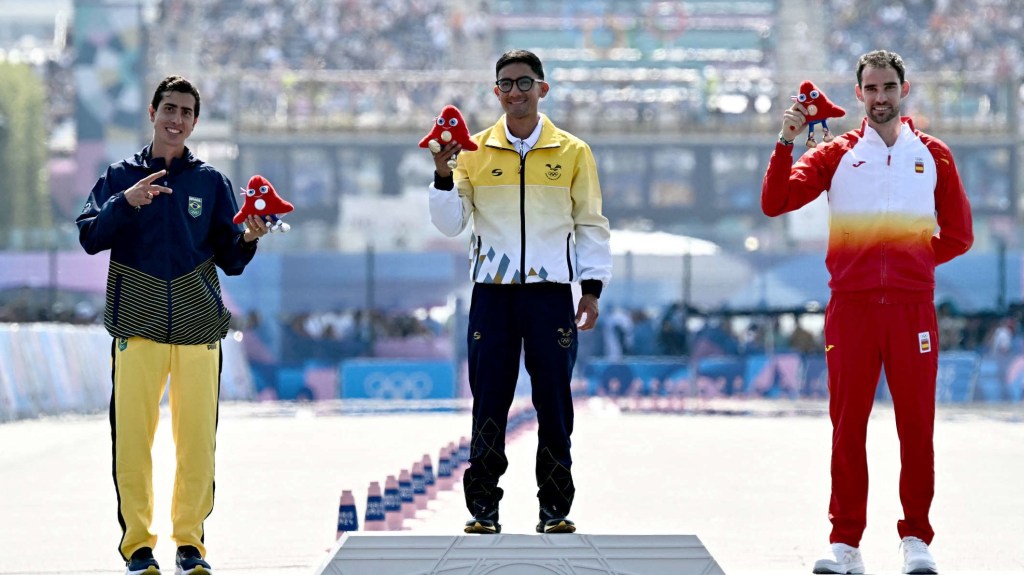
[{"x": 524, "y": 83}]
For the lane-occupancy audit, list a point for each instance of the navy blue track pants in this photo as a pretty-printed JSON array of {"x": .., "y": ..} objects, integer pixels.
[{"x": 503, "y": 321}]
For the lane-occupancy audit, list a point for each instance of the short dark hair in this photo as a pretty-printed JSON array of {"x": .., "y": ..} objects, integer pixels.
[
  {"x": 175, "y": 84},
  {"x": 520, "y": 56},
  {"x": 881, "y": 59}
]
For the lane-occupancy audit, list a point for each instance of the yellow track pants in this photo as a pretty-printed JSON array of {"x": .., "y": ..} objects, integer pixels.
[{"x": 141, "y": 368}]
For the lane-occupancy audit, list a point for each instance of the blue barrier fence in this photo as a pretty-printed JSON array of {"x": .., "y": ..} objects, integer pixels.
[
  {"x": 397, "y": 379},
  {"x": 962, "y": 377},
  {"x": 48, "y": 369},
  {"x": 51, "y": 368}
]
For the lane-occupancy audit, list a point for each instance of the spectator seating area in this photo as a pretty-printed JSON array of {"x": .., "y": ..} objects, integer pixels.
[
  {"x": 983, "y": 37},
  {"x": 625, "y": 66},
  {"x": 618, "y": 66},
  {"x": 631, "y": 65},
  {"x": 956, "y": 39}
]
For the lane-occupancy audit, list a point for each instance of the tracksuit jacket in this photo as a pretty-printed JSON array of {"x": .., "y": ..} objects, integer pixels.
[
  {"x": 884, "y": 206},
  {"x": 895, "y": 213},
  {"x": 526, "y": 211},
  {"x": 162, "y": 283}
]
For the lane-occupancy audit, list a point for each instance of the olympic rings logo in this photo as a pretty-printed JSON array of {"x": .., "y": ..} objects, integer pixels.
[{"x": 398, "y": 385}]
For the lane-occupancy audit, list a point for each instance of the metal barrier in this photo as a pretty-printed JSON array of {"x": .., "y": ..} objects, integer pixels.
[{"x": 49, "y": 369}]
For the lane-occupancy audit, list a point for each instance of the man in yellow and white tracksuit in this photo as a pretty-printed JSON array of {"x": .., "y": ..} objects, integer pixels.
[{"x": 532, "y": 192}]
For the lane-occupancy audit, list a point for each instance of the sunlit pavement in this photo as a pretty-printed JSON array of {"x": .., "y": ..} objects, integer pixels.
[{"x": 749, "y": 478}]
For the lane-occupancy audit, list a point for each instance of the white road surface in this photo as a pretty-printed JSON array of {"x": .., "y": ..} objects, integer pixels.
[{"x": 749, "y": 479}]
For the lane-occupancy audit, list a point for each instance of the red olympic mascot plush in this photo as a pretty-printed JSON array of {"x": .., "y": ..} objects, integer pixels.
[
  {"x": 819, "y": 109},
  {"x": 449, "y": 126},
  {"x": 261, "y": 199}
]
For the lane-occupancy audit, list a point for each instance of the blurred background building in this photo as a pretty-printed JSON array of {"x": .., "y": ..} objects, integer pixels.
[{"x": 680, "y": 100}]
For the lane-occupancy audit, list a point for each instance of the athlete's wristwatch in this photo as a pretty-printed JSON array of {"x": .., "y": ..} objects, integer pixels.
[{"x": 783, "y": 140}]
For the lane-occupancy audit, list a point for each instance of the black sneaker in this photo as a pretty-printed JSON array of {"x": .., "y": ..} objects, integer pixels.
[
  {"x": 188, "y": 561},
  {"x": 556, "y": 525},
  {"x": 142, "y": 563},
  {"x": 485, "y": 523},
  {"x": 553, "y": 520}
]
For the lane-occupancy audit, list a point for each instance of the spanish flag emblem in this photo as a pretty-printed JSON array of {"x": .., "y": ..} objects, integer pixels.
[
  {"x": 919, "y": 165},
  {"x": 924, "y": 341}
]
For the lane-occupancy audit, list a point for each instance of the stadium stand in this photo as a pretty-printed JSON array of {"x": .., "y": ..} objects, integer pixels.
[{"x": 632, "y": 73}]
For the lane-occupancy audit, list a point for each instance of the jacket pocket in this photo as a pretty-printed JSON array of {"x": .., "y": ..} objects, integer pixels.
[
  {"x": 842, "y": 262},
  {"x": 214, "y": 296}
]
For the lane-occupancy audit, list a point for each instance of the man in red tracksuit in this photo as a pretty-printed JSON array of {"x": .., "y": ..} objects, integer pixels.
[{"x": 897, "y": 209}]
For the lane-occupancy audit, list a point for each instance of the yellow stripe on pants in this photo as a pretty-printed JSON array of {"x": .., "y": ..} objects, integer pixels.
[{"x": 141, "y": 369}]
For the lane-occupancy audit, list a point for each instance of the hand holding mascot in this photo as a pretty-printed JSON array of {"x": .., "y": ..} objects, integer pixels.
[
  {"x": 261, "y": 199},
  {"x": 447, "y": 127},
  {"x": 819, "y": 109}
]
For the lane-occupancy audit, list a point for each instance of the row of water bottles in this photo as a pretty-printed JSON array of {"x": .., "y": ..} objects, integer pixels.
[{"x": 403, "y": 496}]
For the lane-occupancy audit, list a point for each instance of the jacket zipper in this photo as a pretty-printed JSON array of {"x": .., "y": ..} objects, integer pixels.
[
  {"x": 888, "y": 164},
  {"x": 170, "y": 310},
  {"x": 522, "y": 218},
  {"x": 170, "y": 302}
]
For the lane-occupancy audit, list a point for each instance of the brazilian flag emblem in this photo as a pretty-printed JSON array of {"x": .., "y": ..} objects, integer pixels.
[
  {"x": 195, "y": 206},
  {"x": 122, "y": 343}
]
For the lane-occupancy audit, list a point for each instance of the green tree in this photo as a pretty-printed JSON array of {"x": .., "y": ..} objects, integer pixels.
[{"x": 27, "y": 216}]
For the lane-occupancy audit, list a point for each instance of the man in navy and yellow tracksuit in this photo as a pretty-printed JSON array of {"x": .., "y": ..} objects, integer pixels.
[
  {"x": 166, "y": 218},
  {"x": 533, "y": 194}
]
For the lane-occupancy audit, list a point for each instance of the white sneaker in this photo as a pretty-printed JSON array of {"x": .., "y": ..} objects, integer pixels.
[
  {"x": 916, "y": 556},
  {"x": 844, "y": 559}
]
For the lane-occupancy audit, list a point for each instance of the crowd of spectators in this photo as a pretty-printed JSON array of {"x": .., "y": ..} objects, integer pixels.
[
  {"x": 623, "y": 332},
  {"x": 977, "y": 44},
  {"x": 677, "y": 331},
  {"x": 983, "y": 37},
  {"x": 624, "y": 66},
  {"x": 335, "y": 335},
  {"x": 333, "y": 35},
  {"x": 350, "y": 64},
  {"x": 44, "y": 305},
  {"x": 339, "y": 64}
]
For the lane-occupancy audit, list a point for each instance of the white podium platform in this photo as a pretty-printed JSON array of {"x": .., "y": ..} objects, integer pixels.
[{"x": 561, "y": 554}]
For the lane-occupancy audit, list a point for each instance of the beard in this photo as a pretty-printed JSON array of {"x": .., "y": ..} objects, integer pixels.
[{"x": 881, "y": 117}]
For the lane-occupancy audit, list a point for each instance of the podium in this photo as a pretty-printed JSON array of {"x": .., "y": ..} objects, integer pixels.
[{"x": 556, "y": 554}]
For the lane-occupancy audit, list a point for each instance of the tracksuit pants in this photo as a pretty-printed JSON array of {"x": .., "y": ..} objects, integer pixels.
[
  {"x": 862, "y": 337},
  {"x": 140, "y": 371},
  {"x": 504, "y": 320}
]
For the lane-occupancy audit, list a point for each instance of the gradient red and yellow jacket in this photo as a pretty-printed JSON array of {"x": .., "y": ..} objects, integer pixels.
[{"x": 894, "y": 213}]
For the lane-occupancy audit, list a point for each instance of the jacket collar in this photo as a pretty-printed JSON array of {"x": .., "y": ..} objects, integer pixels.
[
  {"x": 144, "y": 159},
  {"x": 498, "y": 139},
  {"x": 906, "y": 127}
]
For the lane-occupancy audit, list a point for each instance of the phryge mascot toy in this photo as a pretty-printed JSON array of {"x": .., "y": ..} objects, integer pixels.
[
  {"x": 447, "y": 127},
  {"x": 262, "y": 200},
  {"x": 819, "y": 109}
]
